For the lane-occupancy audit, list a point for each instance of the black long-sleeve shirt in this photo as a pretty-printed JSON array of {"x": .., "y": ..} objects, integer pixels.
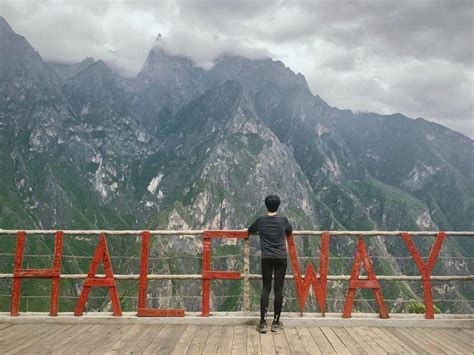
[{"x": 272, "y": 231}]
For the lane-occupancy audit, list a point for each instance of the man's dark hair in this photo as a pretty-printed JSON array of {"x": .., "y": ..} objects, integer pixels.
[{"x": 272, "y": 202}]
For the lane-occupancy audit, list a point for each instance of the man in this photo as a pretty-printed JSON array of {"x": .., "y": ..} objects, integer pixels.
[{"x": 272, "y": 230}]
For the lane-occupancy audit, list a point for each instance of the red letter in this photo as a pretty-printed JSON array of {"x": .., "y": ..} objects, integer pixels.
[
  {"x": 142, "y": 310},
  {"x": 101, "y": 252},
  {"x": 355, "y": 283},
  {"x": 207, "y": 274},
  {"x": 426, "y": 269},
  {"x": 319, "y": 284},
  {"x": 19, "y": 273}
]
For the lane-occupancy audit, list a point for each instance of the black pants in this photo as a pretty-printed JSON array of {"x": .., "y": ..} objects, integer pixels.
[{"x": 272, "y": 266}]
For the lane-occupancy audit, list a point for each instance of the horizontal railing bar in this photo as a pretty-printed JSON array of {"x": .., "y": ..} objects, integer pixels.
[
  {"x": 109, "y": 232},
  {"x": 386, "y": 233},
  {"x": 187, "y": 256},
  {"x": 238, "y": 296},
  {"x": 258, "y": 277},
  {"x": 199, "y": 232}
]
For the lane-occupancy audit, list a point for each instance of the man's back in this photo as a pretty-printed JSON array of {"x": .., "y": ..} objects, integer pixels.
[{"x": 272, "y": 230}]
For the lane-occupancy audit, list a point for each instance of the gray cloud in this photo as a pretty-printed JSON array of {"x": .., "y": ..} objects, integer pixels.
[{"x": 413, "y": 57}]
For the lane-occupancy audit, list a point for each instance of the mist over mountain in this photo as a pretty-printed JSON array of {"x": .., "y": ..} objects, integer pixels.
[{"x": 181, "y": 147}]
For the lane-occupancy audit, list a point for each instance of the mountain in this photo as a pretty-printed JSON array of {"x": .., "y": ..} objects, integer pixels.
[{"x": 180, "y": 147}]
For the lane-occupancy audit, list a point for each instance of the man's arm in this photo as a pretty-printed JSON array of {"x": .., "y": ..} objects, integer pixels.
[
  {"x": 253, "y": 227},
  {"x": 288, "y": 227}
]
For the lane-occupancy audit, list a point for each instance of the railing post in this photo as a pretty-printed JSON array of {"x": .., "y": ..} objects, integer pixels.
[{"x": 246, "y": 293}]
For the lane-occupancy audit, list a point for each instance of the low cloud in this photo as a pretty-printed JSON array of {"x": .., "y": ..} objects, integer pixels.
[{"x": 413, "y": 57}]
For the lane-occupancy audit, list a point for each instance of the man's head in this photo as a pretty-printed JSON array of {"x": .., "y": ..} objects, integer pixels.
[{"x": 272, "y": 202}]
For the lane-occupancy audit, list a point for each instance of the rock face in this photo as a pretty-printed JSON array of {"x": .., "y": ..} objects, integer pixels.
[{"x": 181, "y": 147}]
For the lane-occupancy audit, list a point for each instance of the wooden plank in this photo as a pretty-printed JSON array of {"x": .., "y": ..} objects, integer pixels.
[
  {"x": 138, "y": 341},
  {"x": 199, "y": 339},
  {"x": 239, "y": 343},
  {"x": 44, "y": 331},
  {"x": 448, "y": 342},
  {"x": 281, "y": 344},
  {"x": 320, "y": 339},
  {"x": 385, "y": 341},
  {"x": 365, "y": 341},
  {"x": 87, "y": 340},
  {"x": 469, "y": 331},
  {"x": 16, "y": 330},
  {"x": 102, "y": 338},
  {"x": 160, "y": 339},
  {"x": 15, "y": 340},
  {"x": 212, "y": 342},
  {"x": 112, "y": 340},
  {"x": 337, "y": 344},
  {"x": 266, "y": 344},
  {"x": 18, "y": 346},
  {"x": 185, "y": 340},
  {"x": 49, "y": 346},
  {"x": 307, "y": 340},
  {"x": 226, "y": 339},
  {"x": 434, "y": 339},
  {"x": 69, "y": 338},
  {"x": 175, "y": 334},
  {"x": 157, "y": 341},
  {"x": 45, "y": 345},
  {"x": 396, "y": 341},
  {"x": 406, "y": 340},
  {"x": 16, "y": 334},
  {"x": 420, "y": 340},
  {"x": 348, "y": 340},
  {"x": 253, "y": 341},
  {"x": 294, "y": 341},
  {"x": 164, "y": 342},
  {"x": 4, "y": 326},
  {"x": 132, "y": 332},
  {"x": 460, "y": 337},
  {"x": 380, "y": 339},
  {"x": 146, "y": 339}
]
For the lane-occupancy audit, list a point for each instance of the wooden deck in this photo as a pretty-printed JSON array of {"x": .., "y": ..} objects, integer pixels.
[{"x": 60, "y": 338}]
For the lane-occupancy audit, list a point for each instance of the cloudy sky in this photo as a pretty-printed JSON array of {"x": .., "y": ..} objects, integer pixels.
[{"x": 413, "y": 57}]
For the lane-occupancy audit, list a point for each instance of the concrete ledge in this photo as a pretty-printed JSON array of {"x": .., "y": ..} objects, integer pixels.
[{"x": 237, "y": 318}]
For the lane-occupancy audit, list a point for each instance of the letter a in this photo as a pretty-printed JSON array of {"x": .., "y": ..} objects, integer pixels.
[
  {"x": 361, "y": 256},
  {"x": 101, "y": 252}
]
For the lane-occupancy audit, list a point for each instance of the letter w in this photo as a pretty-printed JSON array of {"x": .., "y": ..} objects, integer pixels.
[{"x": 310, "y": 279}]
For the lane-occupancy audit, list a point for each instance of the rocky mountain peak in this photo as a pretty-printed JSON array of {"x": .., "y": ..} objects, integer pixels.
[
  {"x": 4, "y": 26},
  {"x": 87, "y": 61},
  {"x": 256, "y": 74},
  {"x": 17, "y": 55},
  {"x": 67, "y": 70},
  {"x": 99, "y": 69},
  {"x": 165, "y": 67}
]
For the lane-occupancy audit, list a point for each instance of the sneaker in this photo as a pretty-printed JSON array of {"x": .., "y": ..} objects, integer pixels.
[
  {"x": 262, "y": 327},
  {"x": 277, "y": 326}
]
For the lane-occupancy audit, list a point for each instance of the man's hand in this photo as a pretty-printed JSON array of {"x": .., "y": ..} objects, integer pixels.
[{"x": 248, "y": 234}]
